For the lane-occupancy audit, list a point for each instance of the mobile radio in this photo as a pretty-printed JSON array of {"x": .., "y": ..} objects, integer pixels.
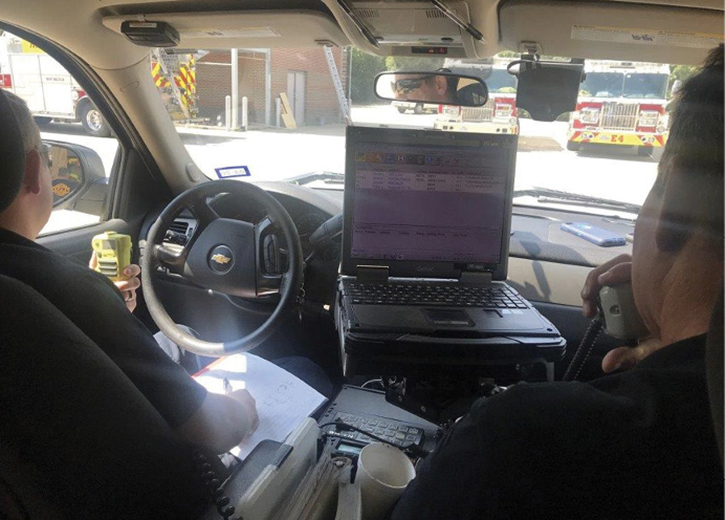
[
  {"x": 619, "y": 318},
  {"x": 113, "y": 254},
  {"x": 619, "y": 313}
]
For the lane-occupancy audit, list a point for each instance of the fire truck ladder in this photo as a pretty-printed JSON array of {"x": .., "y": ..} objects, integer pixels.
[
  {"x": 170, "y": 77},
  {"x": 344, "y": 106}
]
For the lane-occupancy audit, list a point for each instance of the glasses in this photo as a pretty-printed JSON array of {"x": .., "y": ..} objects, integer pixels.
[{"x": 405, "y": 86}]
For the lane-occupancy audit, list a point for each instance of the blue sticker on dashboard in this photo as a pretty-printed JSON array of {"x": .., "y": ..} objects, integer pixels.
[{"x": 232, "y": 171}]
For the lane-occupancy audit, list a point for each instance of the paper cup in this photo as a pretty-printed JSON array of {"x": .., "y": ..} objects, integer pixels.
[{"x": 383, "y": 473}]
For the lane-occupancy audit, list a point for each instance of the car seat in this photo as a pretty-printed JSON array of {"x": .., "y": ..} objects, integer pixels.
[
  {"x": 714, "y": 366},
  {"x": 77, "y": 439}
]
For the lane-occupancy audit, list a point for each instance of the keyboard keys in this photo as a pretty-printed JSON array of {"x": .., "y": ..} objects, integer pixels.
[
  {"x": 447, "y": 295},
  {"x": 392, "y": 431}
]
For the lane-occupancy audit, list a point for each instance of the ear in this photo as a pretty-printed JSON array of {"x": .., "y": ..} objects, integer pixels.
[
  {"x": 33, "y": 172},
  {"x": 676, "y": 220},
  {"x": 441, "y": 84}
]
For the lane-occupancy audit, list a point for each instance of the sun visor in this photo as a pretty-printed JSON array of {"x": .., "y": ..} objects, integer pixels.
[
  {"x": 243, "y": 29},
  {"x": 611, "y": 30},
  {"x": 12, "y": 156}
]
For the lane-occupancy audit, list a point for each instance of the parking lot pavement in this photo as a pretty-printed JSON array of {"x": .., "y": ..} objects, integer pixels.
[{"x": 277, "y": 154}]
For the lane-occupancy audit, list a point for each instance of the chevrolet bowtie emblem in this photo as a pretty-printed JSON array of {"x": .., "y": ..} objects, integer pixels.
[{"x": 221, "y": 259}]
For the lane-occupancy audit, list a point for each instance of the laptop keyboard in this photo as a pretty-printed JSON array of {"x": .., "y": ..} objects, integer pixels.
[{"x": 443, "y": 295}]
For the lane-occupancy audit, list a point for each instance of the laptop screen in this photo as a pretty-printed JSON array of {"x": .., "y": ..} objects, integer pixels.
[{"x": 432, "y": 200}]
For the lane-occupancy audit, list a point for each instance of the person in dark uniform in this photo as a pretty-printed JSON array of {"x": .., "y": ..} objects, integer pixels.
[
  {"x": 162, "y": 392},
  {"x": 210, "y": 421},
  {"x": 638, "y": 443}
]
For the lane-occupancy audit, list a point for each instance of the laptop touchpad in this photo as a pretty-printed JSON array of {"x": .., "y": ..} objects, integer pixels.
[{"x": 449, "y": 318}]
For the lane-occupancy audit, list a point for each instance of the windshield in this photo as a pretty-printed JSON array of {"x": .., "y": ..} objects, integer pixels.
[
  {"x": 619, "y": 84},
  {"x": 646, "y": 86},
  {"x": 284, "y": 116},
  {"x": 602, "y": 85},
  {"x": 500, "y": 81}
]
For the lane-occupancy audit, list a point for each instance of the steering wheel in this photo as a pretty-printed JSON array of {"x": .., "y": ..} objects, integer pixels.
[{"x": 227, "y": 256}]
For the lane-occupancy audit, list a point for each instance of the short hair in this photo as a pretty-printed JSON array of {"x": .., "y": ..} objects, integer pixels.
[
  {"x": 29, "y": 131},
  {"x": 695, "y": 143}
]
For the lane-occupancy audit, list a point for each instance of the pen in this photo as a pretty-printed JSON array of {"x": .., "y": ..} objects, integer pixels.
[{"x": 227, "y": 386}]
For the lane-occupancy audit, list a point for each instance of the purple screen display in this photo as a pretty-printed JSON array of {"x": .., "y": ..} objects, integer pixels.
[{"x": 429, "y": 203}]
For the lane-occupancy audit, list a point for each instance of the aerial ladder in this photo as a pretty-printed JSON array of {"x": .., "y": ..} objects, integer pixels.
[{"x": 339, "y": 90}]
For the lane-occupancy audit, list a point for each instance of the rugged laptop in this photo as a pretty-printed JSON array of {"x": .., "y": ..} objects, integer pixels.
[{"x": 427, "y": 221}]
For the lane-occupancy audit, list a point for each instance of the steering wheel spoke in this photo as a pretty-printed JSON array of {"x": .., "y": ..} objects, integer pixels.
[
  {"x": 271, "y": 258},
  {"x": 201, "y": 209},
  {"x": 171, "y": 257},
  {"x": 268, "y": 285}
]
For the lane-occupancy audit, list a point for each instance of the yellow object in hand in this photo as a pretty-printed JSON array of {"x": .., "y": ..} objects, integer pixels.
[{"x": 113, "y": 254}]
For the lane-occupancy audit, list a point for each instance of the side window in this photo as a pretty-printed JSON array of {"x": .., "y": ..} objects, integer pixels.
[{"x": 79, "y": 145}]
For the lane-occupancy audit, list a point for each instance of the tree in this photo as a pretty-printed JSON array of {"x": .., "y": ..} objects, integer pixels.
[
  {"x": 681, "y": 72},
  {"x": 414, "y": 63},
  {"x": 363, "y": 69}
]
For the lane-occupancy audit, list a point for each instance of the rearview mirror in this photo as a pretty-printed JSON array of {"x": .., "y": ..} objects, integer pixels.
[
  {"x": 443, "y": 88},
  {"x": 77, "y": 177}
]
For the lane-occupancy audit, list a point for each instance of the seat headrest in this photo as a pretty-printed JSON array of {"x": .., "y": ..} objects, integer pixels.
[
  {"x": 714, "y": 369},
  {"x": 12, "y": 154}
]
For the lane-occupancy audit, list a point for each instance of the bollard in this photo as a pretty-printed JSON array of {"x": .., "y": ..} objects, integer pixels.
[
  {"x": 278, "y": 107},
  {"x": 235, "y": 88},
  {"x": 228, "y": 112},
  {"x": 245, "y": 115}
]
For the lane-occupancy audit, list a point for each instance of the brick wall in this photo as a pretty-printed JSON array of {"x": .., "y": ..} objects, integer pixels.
[
  {"x": 213, "y": 80},
  {"x": 320, "y": 97},
  {"x": 214, "y": 83}
]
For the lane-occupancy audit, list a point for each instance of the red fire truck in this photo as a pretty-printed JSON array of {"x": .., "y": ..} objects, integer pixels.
[
  {"x": 621, "y": 103},
  {"x": 498, "y": 116},
  {"x": 49, "y": 90}
]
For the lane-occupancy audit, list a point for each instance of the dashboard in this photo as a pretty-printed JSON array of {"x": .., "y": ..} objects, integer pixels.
[{"x": 546, "y": 264}]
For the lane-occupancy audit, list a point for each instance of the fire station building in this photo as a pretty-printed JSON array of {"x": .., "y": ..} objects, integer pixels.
[{"x": 263, "y": 74}]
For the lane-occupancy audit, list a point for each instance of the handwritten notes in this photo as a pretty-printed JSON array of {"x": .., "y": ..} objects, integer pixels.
[{"x": 283, "y": 400}]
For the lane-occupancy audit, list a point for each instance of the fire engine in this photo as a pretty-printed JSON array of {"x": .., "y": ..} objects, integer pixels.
[
  {"x": 49, "y": 90},
  {"x": 621, "y": 103},
  {"x": 174, "y": 74},
  {"x": 499, "y": 115}
]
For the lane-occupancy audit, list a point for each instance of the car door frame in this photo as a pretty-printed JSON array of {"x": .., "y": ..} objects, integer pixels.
[{"x": 133, "y": 165}]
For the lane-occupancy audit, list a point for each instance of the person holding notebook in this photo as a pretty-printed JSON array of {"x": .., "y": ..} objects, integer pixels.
[{"x": 634, "y": 444}]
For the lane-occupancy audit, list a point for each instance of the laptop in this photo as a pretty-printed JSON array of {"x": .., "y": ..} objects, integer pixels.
[{"x": 427, "y": 220}]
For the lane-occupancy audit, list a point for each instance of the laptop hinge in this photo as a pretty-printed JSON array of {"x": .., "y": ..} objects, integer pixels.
[
  {"x": 476, "y": 277},
  {"x": 373, "y": 273}
]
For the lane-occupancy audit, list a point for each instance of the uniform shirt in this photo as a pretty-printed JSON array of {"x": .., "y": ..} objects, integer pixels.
[
  {"x": 635, "y": 445},
  {"x": 77, "y": 439},
  {"x": 96, "y": 307}
]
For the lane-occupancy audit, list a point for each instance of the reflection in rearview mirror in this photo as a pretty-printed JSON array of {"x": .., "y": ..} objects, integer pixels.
[
  {"x": 66, "y": 172},
  {"x": 432, "y": 87}
]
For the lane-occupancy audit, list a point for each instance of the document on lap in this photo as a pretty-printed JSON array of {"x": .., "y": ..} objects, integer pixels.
[{"x": 283, "y": 400}]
